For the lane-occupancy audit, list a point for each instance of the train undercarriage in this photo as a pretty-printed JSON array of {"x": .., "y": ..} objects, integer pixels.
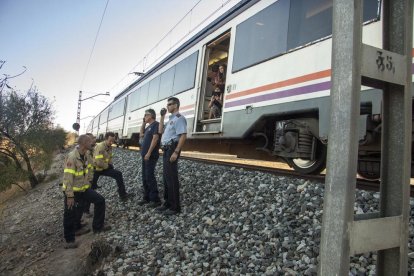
[{"x": 296, "y": 142}]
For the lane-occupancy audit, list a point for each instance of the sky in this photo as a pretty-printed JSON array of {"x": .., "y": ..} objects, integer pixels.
[{"x": 54, "y": 39}]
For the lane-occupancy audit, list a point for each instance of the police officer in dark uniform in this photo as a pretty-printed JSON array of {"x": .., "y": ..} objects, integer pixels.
[
  {"x": 150, "y": 145},
  {"x": 172, "y": 141}
]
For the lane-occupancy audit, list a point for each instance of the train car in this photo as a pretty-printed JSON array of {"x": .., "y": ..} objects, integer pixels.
[
  {"x": 275, "y": 103},
  {"x": 103, "y": 123},
  {"x": 90, "y": 127},
  {"x": 94, "y": 126},
  {"x": 178, "y": 78},
  {"x": 116, "y": 115}
]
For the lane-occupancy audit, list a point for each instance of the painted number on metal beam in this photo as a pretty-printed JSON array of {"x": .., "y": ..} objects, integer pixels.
[{"x": 383, "y": 65}]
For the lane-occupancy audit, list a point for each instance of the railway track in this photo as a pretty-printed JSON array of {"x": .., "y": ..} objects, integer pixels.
[
  {"x": 362, "y": 184},
  {"x": 227, "y": 160}
]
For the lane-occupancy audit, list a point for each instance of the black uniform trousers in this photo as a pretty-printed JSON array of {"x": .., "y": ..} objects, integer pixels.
[
  {"x": 148, "y": 179},
  {"x": 171, "y": 183},
  {"x": 72, "y": 217},
  {"x": 113, "y": 173}
]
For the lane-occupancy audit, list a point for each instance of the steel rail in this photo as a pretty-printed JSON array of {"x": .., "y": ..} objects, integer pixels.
[{"x": 361, "y": 183}]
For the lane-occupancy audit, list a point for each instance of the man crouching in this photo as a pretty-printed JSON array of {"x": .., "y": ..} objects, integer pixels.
[{"x": 76, "y": 188}]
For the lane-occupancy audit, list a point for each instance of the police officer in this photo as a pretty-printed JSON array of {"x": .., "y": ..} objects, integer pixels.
[
  {"x": 102, "y": 160},
  {"x": 172, "y": 141},
  {"x": 150, "y": 146},
  {"x": 76, "y": 188}
]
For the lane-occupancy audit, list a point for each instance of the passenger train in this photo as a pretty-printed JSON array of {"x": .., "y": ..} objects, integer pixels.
[{"x": 276, "y": 103}]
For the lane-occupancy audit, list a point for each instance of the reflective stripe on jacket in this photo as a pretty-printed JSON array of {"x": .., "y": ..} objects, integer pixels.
[
  {"x": 102, "y": 156},
  {"x": 91, "y": 167},
  {"x": 77, "y": 173}
]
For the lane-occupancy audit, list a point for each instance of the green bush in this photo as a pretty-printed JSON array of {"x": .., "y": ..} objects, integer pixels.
[{"x": 10, "y": 174}]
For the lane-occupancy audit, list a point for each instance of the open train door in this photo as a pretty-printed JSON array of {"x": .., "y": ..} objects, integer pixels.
[{"x": 212, "y": 88}]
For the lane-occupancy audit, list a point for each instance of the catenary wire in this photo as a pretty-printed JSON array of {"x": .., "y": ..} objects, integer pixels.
[
  {"x": 93, "y": 47},
  {"x": 224, "y": 3}
]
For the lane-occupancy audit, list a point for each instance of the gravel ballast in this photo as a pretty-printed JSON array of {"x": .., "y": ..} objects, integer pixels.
[{"x": 233, "y": 221}]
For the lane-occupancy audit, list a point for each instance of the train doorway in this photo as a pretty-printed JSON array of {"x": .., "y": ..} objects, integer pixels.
[{"x": 213, "y": 83}]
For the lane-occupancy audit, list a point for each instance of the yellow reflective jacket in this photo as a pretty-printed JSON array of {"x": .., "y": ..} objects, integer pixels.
[
  {"x": 77, "y": 173},
  {"x": 102, "y": 156},
  {"x": 91, "y": 167}
]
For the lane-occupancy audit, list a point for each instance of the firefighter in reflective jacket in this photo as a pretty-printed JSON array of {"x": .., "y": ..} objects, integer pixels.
[
  {"x": 89, "y": 153},
  {"x": 91, "y": 168},
  {"x": 102, "y": 158},
  {"x": 76, "y": 187}
]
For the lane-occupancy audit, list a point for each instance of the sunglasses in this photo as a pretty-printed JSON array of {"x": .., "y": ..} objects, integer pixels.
[
  {"x": 147, "y": 114},
  {"x": 169, "y": 104}
]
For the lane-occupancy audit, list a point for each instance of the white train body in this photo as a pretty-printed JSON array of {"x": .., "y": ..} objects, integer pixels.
[{"x": 277, "y": 83}]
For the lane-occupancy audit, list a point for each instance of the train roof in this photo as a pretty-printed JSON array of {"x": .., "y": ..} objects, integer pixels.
[{"x": 217, "y": 23}]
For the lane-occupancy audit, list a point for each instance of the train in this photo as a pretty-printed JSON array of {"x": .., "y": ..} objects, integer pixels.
[{"x": 277, "y": 80}]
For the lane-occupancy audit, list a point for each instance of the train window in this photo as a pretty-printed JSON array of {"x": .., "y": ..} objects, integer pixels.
[
  {"x": 133, "y": 100},
  {"x": 166, "y": 83},
  {"x": 143, "y": 95},
  {"x": 95, "y": 123},
  {"x": 154, "y": 86},
  {"x": 309, "y": 20},
  {"x": 185, "y": 72},
  {"x": 104, "y": 116},
  {"x": 117, "y": 109},
  {"x": 371, "y": 10},
  {"x": 262, "y": 36},
  {"x": 287, "y": 25}
]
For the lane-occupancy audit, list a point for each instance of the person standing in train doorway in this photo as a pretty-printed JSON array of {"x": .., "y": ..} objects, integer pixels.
[
  {"x": 150, "y": 145},
  {"x": 172, "y": 141}
]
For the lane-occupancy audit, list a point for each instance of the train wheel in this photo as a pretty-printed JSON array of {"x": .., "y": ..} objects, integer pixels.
[
  {"x": 369, "y": 176},
  {"x": 370, "y": 168},
  {"x": 316, "y": 166}
]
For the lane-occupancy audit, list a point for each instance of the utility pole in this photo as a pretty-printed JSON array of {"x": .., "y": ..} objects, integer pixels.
[
  {"x": 76, "y": 126},
  {"x": 79, "y": 108}
]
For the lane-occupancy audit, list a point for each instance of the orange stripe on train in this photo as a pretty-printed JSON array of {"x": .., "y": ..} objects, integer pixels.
[{"x": 304, "y": 78}]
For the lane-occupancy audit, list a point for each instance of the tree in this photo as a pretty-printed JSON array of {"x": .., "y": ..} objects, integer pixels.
[
  {"x": 23, "y": 116},
  {"x": 46, "y": 142},
  {"x": 27, "y": 135},
  {"x": 10, "y": 173}
]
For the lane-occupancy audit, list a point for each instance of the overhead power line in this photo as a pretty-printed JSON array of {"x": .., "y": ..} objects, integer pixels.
[
  {"x": 144, "y": 60},
  {"x": 93, "y": 47}
]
